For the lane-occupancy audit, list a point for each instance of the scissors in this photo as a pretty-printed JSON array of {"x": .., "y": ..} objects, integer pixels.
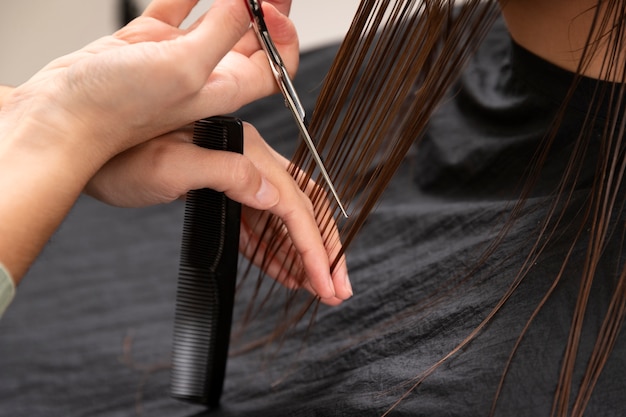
[{"x": 286, "y": 87}]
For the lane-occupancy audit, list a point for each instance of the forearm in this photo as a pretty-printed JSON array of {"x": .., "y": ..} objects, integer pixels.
[{"x": 41, "y": 175}]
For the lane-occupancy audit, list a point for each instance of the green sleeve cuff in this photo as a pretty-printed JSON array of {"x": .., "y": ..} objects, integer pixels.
[{"x": 7, "y": 289}]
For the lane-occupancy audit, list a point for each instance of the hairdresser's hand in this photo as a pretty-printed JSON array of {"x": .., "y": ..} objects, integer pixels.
[
  {"x": 166, "y": 168},
  {"x": 152, "y": 77},
  {"x": 61, "y": 126}
]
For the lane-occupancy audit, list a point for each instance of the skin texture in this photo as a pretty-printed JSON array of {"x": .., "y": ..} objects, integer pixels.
[
  {"x": 556, "y": 30},
  {"x": 68, "y": 129}
]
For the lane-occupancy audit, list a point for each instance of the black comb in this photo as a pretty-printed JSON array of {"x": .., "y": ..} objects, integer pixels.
[{"x": 207, "y": 277}]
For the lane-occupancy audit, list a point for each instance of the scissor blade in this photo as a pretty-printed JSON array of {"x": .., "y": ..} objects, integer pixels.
[
  {"x": 320, "y": 164},
  {"x": 288, "y": 91},
  {"x": 297, "y": 110}
]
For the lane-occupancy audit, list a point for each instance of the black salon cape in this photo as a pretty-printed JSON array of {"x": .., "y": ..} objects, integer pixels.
[{"x": 107, "y": 282}]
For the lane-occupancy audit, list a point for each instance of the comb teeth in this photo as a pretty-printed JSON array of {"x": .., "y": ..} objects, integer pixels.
[{"x": 206, "y": 280}]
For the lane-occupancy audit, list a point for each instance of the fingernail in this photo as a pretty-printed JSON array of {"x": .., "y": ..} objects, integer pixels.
[
  {"x": 267, "y": 194},
  {"x": 348, "y": 285},
  {"x": 331, "y": 286}
]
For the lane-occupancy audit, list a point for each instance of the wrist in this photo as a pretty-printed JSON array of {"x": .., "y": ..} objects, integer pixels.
[
  {"x": 54, "y": 121},
  {"x": 42, "y": 172}
]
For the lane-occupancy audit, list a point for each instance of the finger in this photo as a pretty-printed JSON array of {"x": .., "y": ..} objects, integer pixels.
[
  {"x": 296, "y": 211},
  {"x": 332, "y": 241},
  {"x": 281, "y": 265},
  {"x": 269, "y": 247},
  {"x": 283, "y": 33},
  {"x": 172, "y": 12},
  {"x": 281, "y": 28},
  {"x": 244, "y": 74},
  {"x": 266, "y": 242},
  {"x": 303, "y": 228},
  {"x": 328, "y": 225},
  {"x": 165, "y": 168},
  {"x": 221, "y": 28},
  {"x": 284, "y": 6},
  {"x": 147, "y": 30},
  {"x": 198, "y": 87},
  {"x": 257, "y": 244},
  {"x": 228, "y": 172},
  {"x": 341, "y": 280}
]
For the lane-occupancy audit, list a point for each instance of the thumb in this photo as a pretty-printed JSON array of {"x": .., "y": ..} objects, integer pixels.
[
  {"x": 165, "y": 168},
  {"x": 219, "y": 30}
]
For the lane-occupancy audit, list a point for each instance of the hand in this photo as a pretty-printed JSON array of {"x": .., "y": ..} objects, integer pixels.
[
  {"x": 152, "y": 77},
  {"x": 61, "y": 126},
  {"x": 165, "y": 168}
]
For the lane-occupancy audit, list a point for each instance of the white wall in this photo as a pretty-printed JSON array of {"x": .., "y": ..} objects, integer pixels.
[{"x": 33, "y": 32}]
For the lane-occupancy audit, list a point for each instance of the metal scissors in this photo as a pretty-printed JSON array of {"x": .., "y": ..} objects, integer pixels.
[{"x": 286, "y": 87}]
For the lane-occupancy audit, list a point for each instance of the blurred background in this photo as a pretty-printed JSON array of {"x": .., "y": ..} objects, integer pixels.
[{"x": 33, "y": 32}]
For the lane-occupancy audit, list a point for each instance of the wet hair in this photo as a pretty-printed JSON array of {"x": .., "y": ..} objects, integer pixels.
[{"x": 394, "y": 67}]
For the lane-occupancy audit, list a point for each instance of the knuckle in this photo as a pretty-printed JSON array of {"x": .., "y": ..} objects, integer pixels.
[
  {"x": 160, "y": 163},
  {"x": 308, "y": 204},
  {"x": 243, "y": 172},
  {"x": 160, "y": 155},
  {"x": 298, "y": 207}
]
